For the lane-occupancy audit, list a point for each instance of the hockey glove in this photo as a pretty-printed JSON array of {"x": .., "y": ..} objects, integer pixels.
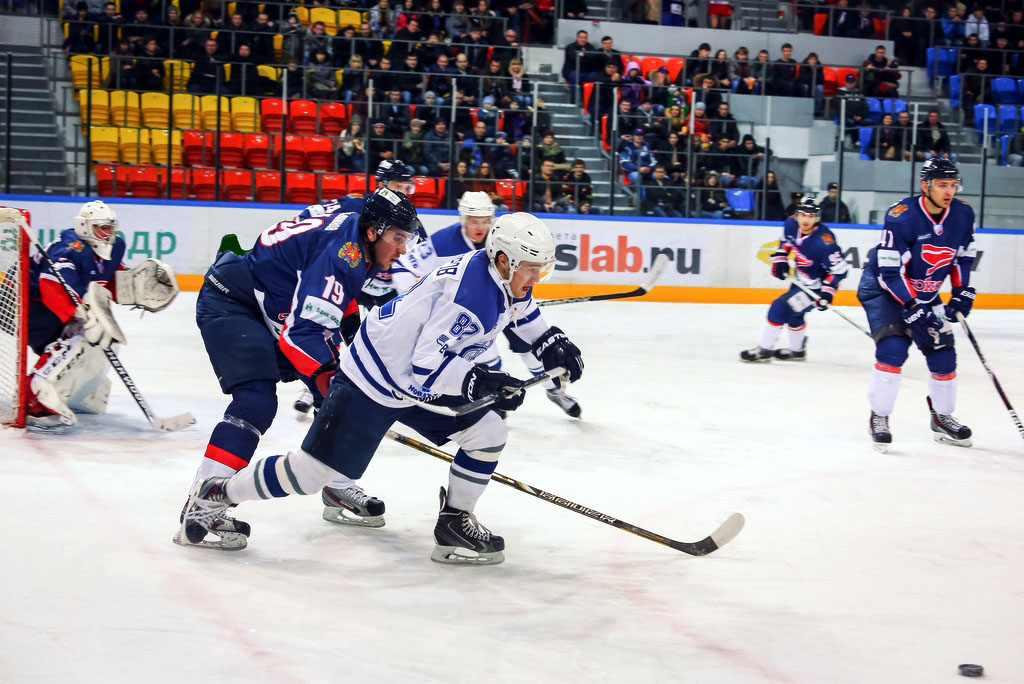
[
  {"x": 349, "y": 327},
  {"x": 151, "y": 285},
  {"x": 482, "y": 382},
  {"x": 925, "y": 328},
  {"x": 961, "y": 302},
  {"x": 321, "y": 378},
  {"x": 99, "y": 327},
  {"x": 824, "y": 300},
  {"x": 555, "y": 350},
  {"x": 780, "y": 265}
]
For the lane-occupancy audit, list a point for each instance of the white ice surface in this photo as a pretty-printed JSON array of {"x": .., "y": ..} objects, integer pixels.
[{"x": 854, "y": 566}]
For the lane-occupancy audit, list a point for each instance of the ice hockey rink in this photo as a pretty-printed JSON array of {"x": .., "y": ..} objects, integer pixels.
[{"x": 854, "y": 566}]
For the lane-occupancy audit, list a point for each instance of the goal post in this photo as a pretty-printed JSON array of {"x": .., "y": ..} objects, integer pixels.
[{"x": 14, "y": 242}]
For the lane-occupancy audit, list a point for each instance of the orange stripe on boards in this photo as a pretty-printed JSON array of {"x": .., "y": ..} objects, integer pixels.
[
  {"x": 701, "y": 295},
  {"x": 215, "y": 453}
]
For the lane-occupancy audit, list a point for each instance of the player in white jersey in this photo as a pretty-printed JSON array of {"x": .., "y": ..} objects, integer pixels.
[{"x": 420, "y": 347}]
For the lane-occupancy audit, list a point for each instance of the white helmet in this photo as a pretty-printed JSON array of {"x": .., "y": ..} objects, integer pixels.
[
  {"x": 96, "y": 223},
  {"x": 521, "y": 237},
  {"x": 476, "y": 204}
]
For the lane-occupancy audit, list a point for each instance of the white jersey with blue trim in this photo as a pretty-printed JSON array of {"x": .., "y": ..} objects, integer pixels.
[
  {"x": 437, "y": 249},
  {"x": 422, "y": 344}
]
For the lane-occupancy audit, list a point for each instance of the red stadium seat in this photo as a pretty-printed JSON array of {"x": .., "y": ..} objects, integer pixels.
[
  {"x": 333, "y": 119},
  {"x": 649, "y": 64},
  {"x": 179, "y": 189},
  {"x": 879, "y": 28},
  {"x": 232, "y": 149},
  {"x": 144, "y": 181},
  {"x": 675, "y": 65},
  {"x": 198, "y": 147},
  {"x": 333, "y": 185},
  {"x": 604, "y": 133},
  {"x": 357, "y": 184},
  {"x": 831, "y": 81},
  {"x": 268, "y": 186},
  {"x": 588, "y": 88},
  {"x": 319, "y": 154},
  {"x": 841, "y": 74},
  {"x": 257, "y": 150},
  {"x": 301, "y": 188},
  {"x": 506, "y": 189},
  {"x": 271, "y": 111},
  {"x": 819, "y": 23},
  {"x": 237, "y": 186},
  {"x": 426, "y": 195},
  {"x": 106, "y": 175},
  {"x": 295, "y": 154},
  {"x": 302, "y": 116},
  {"x": 203, "y": 183}
]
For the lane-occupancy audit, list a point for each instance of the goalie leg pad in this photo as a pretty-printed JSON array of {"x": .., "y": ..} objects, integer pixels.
[{"x": 71, "y": 374}]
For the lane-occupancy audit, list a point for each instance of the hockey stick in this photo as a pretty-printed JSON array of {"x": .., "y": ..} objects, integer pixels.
[
  {"x": 995, "y": 381},
  {"x": 816, "y": 297},
  {"x": 653, "y": 274},
  {"x": 488, "y": 400},
  {"x": 163, "y": 424},
  {"x": 720, "y": 537}
]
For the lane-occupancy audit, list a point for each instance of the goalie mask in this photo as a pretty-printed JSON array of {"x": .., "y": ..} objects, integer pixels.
[
  {"x": 96, "y": 224},
  {"x": 524, "y": 239}
]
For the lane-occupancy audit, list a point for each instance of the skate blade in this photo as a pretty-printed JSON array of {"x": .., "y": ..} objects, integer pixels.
[
  {"x": 756, "y": 360},
  {"x": 880, "y": 448},
  {"x": 943, "y": 438},
  {"x": 45, "y": 429},
  {"x": 226, "y": 541},
  {"x": 456, "y": 555},
  {"x": 342, "y": 516}
]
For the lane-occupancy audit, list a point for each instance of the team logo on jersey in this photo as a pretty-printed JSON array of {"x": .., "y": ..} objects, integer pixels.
[
  {"x": 77, "y": 245},
  {"x": 827, "y": 239},
  {"x": 802, "y": 261},
  {"x": 897, "y": 211},
  {"x": 937, "y": 257},
  {"x": 350, "y": 254}
]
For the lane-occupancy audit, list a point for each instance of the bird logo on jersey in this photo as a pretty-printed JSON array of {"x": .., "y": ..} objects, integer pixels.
[
  {"x": 350, "y": 254},
  {"x": 937, "y": 257},
  {"x": 802, "y": 261},
  {"x": 77, "y": 245},
  {"x": 897, "y": 211}
]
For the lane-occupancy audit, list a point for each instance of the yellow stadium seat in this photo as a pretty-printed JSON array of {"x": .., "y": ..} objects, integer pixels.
[
  {"x": 181, "y": 70},
  {"x": 348, "y": 17},
  {"x": 303, "y": 15},
  {"x": 386, "y": 44},
  {"x": 271, "y": 72},
  {"x": 278, "y": 46},
  {"x": 208, "y": 109},
  {"x": 125, "y": 109},
  {"x": 99, "y": 101},
  {"x": 326, "y": 15},
  {"x": 214, "y": 34},
  {"x": 244, "y": 117},
  {"x": 81, "y": 66},
  {"x": 104, "y": 68},
  {"x": 227, "y": 73},
  {"x": 104, "y": 144},
  {"x": 232, "y": 6},
  {"x": 186, "y": 110},
  {"x": 135, "y": 146},
  {"x": 156, "y": 109},
  {"x": 158, "y": 138},
  {"x": 339, "y": 75}
]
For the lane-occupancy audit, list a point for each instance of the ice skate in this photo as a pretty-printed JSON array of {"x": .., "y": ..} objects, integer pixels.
[
  {"x": 565, "y": 402},
  {"x": 206, "y": 512},
  {"x": 878, "y": 426},
  {"x": 948, "y": 429},
  {"x": 352, "y": 506},
  {"x": 461, "y": 540},
  {"x": 793, "y": 354},
  {"x": 755, "y": 355},
  {"x": 303, "y": 403}
]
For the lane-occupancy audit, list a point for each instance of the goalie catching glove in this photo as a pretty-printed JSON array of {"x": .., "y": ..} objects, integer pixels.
[
  {"x": 151, "y": 285},
  {"x": 555, "y": 350}
]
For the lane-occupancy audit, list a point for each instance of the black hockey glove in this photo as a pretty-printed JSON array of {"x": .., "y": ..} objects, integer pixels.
[
  {"x": 321, "y": 378},
  {"x": 780, "y": 265},
  {"x": 349, "y": 327},
  {"x": 925, "y": 328},
  {"x": 482, "y": 382},
  {"x": 555, "y": 350},
  {"x": 961, "y": 302},
  {"x": 824, "y": 300}
]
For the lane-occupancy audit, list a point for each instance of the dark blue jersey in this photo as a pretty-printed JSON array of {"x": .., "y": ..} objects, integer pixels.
[
  {"x": 307, "y": 273},
  {"x": 818, "y": 258},
  {"x": 917, "y": 252},
  {"x": 78, "y": 265}
]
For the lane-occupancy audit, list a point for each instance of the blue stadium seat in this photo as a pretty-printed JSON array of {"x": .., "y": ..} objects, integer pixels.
[
  {"x": 1020, "y": 89},
  {"x": 981, "y": 113},
  {"x": 1007, "y": 119},
  {"x": 1004, "y": 148},
  {"x": 893, "y": 106},
  {"x": 865, "y": 141},
  {"x": 741, "y": 201},
  {"x": 874, "y": 110},
  {"x": 945, "y": 62},
  {"x": 1004, "y": 91},
  {"x": 929, "y": 58},
  {"x": 954, "y": 91}
]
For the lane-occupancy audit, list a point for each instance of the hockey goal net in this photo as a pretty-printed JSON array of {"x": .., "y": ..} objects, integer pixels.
[{"x": 13, "y": 314}]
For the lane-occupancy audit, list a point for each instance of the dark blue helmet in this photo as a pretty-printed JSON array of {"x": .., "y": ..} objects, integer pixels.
[
  {"x": 935, "y": 168},
  {"x": 391, "y": 209},
  {"x": 393, "y": 169},
  {"x": 807, "y": 205}
]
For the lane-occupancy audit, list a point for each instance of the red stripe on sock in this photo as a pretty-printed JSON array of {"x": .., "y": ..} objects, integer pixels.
[
  {"x": 948, "y": 376},
  {"x": 215, "y": 453},
  {"x": 886, "y": 368}
]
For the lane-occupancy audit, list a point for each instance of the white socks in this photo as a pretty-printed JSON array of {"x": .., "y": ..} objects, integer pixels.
[
  {"x": 883, "y": 387},
  {"x": 942, "y": 390},
  {"x": 797, "y": 337},
  {"x": 769, "y": 335}
]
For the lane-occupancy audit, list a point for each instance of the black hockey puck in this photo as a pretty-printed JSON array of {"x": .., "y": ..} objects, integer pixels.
[{"x": 968, "y": 670}]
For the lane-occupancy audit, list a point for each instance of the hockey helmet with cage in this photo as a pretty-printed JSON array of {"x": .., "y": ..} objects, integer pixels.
[
  {"x": 807, "y": 205},
  {"x": 96, "y": 224},
  {"x": 391, "y": 209},
  {"x": 940, "y": 167},
  {"x": 522, "y": 237}
]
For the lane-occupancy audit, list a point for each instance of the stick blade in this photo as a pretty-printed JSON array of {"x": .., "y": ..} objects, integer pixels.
[
  {"x": 717, "y": 539},
  {"x": 654, "y": 272},
  {"x": 174, "y": 422}
]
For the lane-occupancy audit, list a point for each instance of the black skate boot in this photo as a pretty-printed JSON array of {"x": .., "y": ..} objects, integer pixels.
[
  {"x": 755, "y": 355},
  {"x": 352, "y": 506},
  {"x": 303, "y": 403},
  {"x": 793, "y": 354},
  {"x": 461, "y": 540},
  {"x": 878, "y": 426},
  {"x": 206, "y": 512},
  {"x": 565, "y": 402},
  {"x": 948, "y": 429}
]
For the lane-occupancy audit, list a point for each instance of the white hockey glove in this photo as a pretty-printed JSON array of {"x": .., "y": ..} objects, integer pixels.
[
  {"x": 100, "y": 328},
  {"x": 151, "y": 285}
]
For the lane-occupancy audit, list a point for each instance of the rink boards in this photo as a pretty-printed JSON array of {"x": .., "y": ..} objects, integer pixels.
[{"x": 711, "y": 261}]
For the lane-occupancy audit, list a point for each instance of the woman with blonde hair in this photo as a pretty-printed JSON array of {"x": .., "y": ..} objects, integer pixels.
[
  {"x": 520, "y": 84},
  {"x": 353, "y": 79},
  {"x": 484, "y": 181}
]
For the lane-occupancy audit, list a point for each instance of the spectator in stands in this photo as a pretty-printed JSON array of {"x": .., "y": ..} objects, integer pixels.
[
  {"x": 433, "y": 21},
  {"x": 673, "y": 122},
  {"x": 91, "y": 7},
  {"x": 886, "y": 140},
  {"x": 748, "y": 157},
  {"x": 506, "y": 48},
  {"x": 701, "y": 122},
  {"x": 488, "y": 116},
  {"x": 382, "y": 145},
  {"x": 719, "y": 14},
  {"x": 353, "y": 80},
  {"x": 171, "y": 30},
  {"x": 761, "y": 70},
  {"x": 661, "y": 196},
  {"x": 720, "y": 70},
  {"x": 794, "y": 202},
  {"x": 672, "y": 155},
  {"x": 578, "y": 188},
  {"x": 932, "y": 139},
  {"x": 293, "y": 35},
  {"x": 978, "y": 25},
  {"x": 865, "y": 24},
  {"x": 856, "y": 108},
  {"x": 463, "y": 124},
  {"x": 343, "y": 46},
  {"x": 503, "y": 158},
  {"x": 430, "y": 110},
  {"x": 699, "y": 62},
  {"x": 208, "y": 72},
  {"x": 412, "y": 83},
  {"x": 485, "y": 18},
  {"x": 394, "y": 113},
  {"x": 741, "y": 71},
  {"x": 548, "y": 149},
  {"x": 1001, "y": 59},
  {"x": 149, "y": 68},
  {"x": 380, "y": 18},
  {"x": 607, "y": 53},
  {"x": 906, "y": 34},
  {"x": 672, "y": 13},
  {"x": 367, "y": 46},
  {"x": 406, "y": 38},
  {"x": 139, "y": 30},
  {"x": 548, "y": 191},
  {"x": 603, "y": 95},
  {"x": 493, "y": 82},
  {"x": 519, "y": 83},
  {"x": 646, "y": 118},
  {"x": 80, "y": 40},
  {"x": 633, "y": 86},
  {"x": 976, "y": 87},
  {"x": 575, "y": 9},
  {"x": 316, "y": 39},
  {"x": 724, "y": 130},
  {"x": 1015, "y": 29},
  {"x": 465, "y": 80},
  {"x": 230, "y": 36},
  {"x": 773, "y": 209},
  {"x": 832, "y": 204},
  {"x": 459, "y": 184},
  {"x": 245, "y": 78},
  {"x": 439, "y": 76},
  {"x": 122, "y": 68},
  {"x": 263, "y": 30},
  {"x": 320, "y": 81},
  {"x": 906, "y": 135},
  {"x": 931, "y": 33},
  {"x": 952, "y": 28},
  {"x": 842, "y": 21},
  {"x": 412, "y": 148},
  {"x": 635, "y": 158},
  {"x": 705, "y": 91},
  {"x": 436, "y": 149},
  {"x": 710, "y": 201},
  {"x": 109, "y": 22},
  {"x": 484, "y": 180},
  {"x": 784, "y": 80},
  {"x": 881, "y": 76},
  {"x": 478, "y": 149},
  {"x": 657, "y": 92},
  {"x": 1015, "y": 151},
  {"x": 457, "y": 25},
  {"x": 293, "y": 79},
  {"x": 812, "y": 82},
  {"x": 475, "y": 47},
  {"x": 351, "y": 156}
]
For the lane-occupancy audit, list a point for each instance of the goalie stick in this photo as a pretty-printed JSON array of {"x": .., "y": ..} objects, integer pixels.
[
  {"x": 488, "y": 400},
  {"x": 163, "y": 424},
  {"x": 653, "y": 274},
  {"x": 717, "y": 539},
  {"x": 816, "y": 297},
  {"x": 995, "y": 381}
]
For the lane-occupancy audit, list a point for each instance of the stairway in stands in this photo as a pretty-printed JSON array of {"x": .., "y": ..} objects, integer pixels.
[{"x": 37, "y": 150}]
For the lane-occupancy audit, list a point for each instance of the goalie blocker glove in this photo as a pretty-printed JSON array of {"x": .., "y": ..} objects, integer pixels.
[
  {"x": 555, "y": 350},
  {"x": 482, "y": 382}
]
